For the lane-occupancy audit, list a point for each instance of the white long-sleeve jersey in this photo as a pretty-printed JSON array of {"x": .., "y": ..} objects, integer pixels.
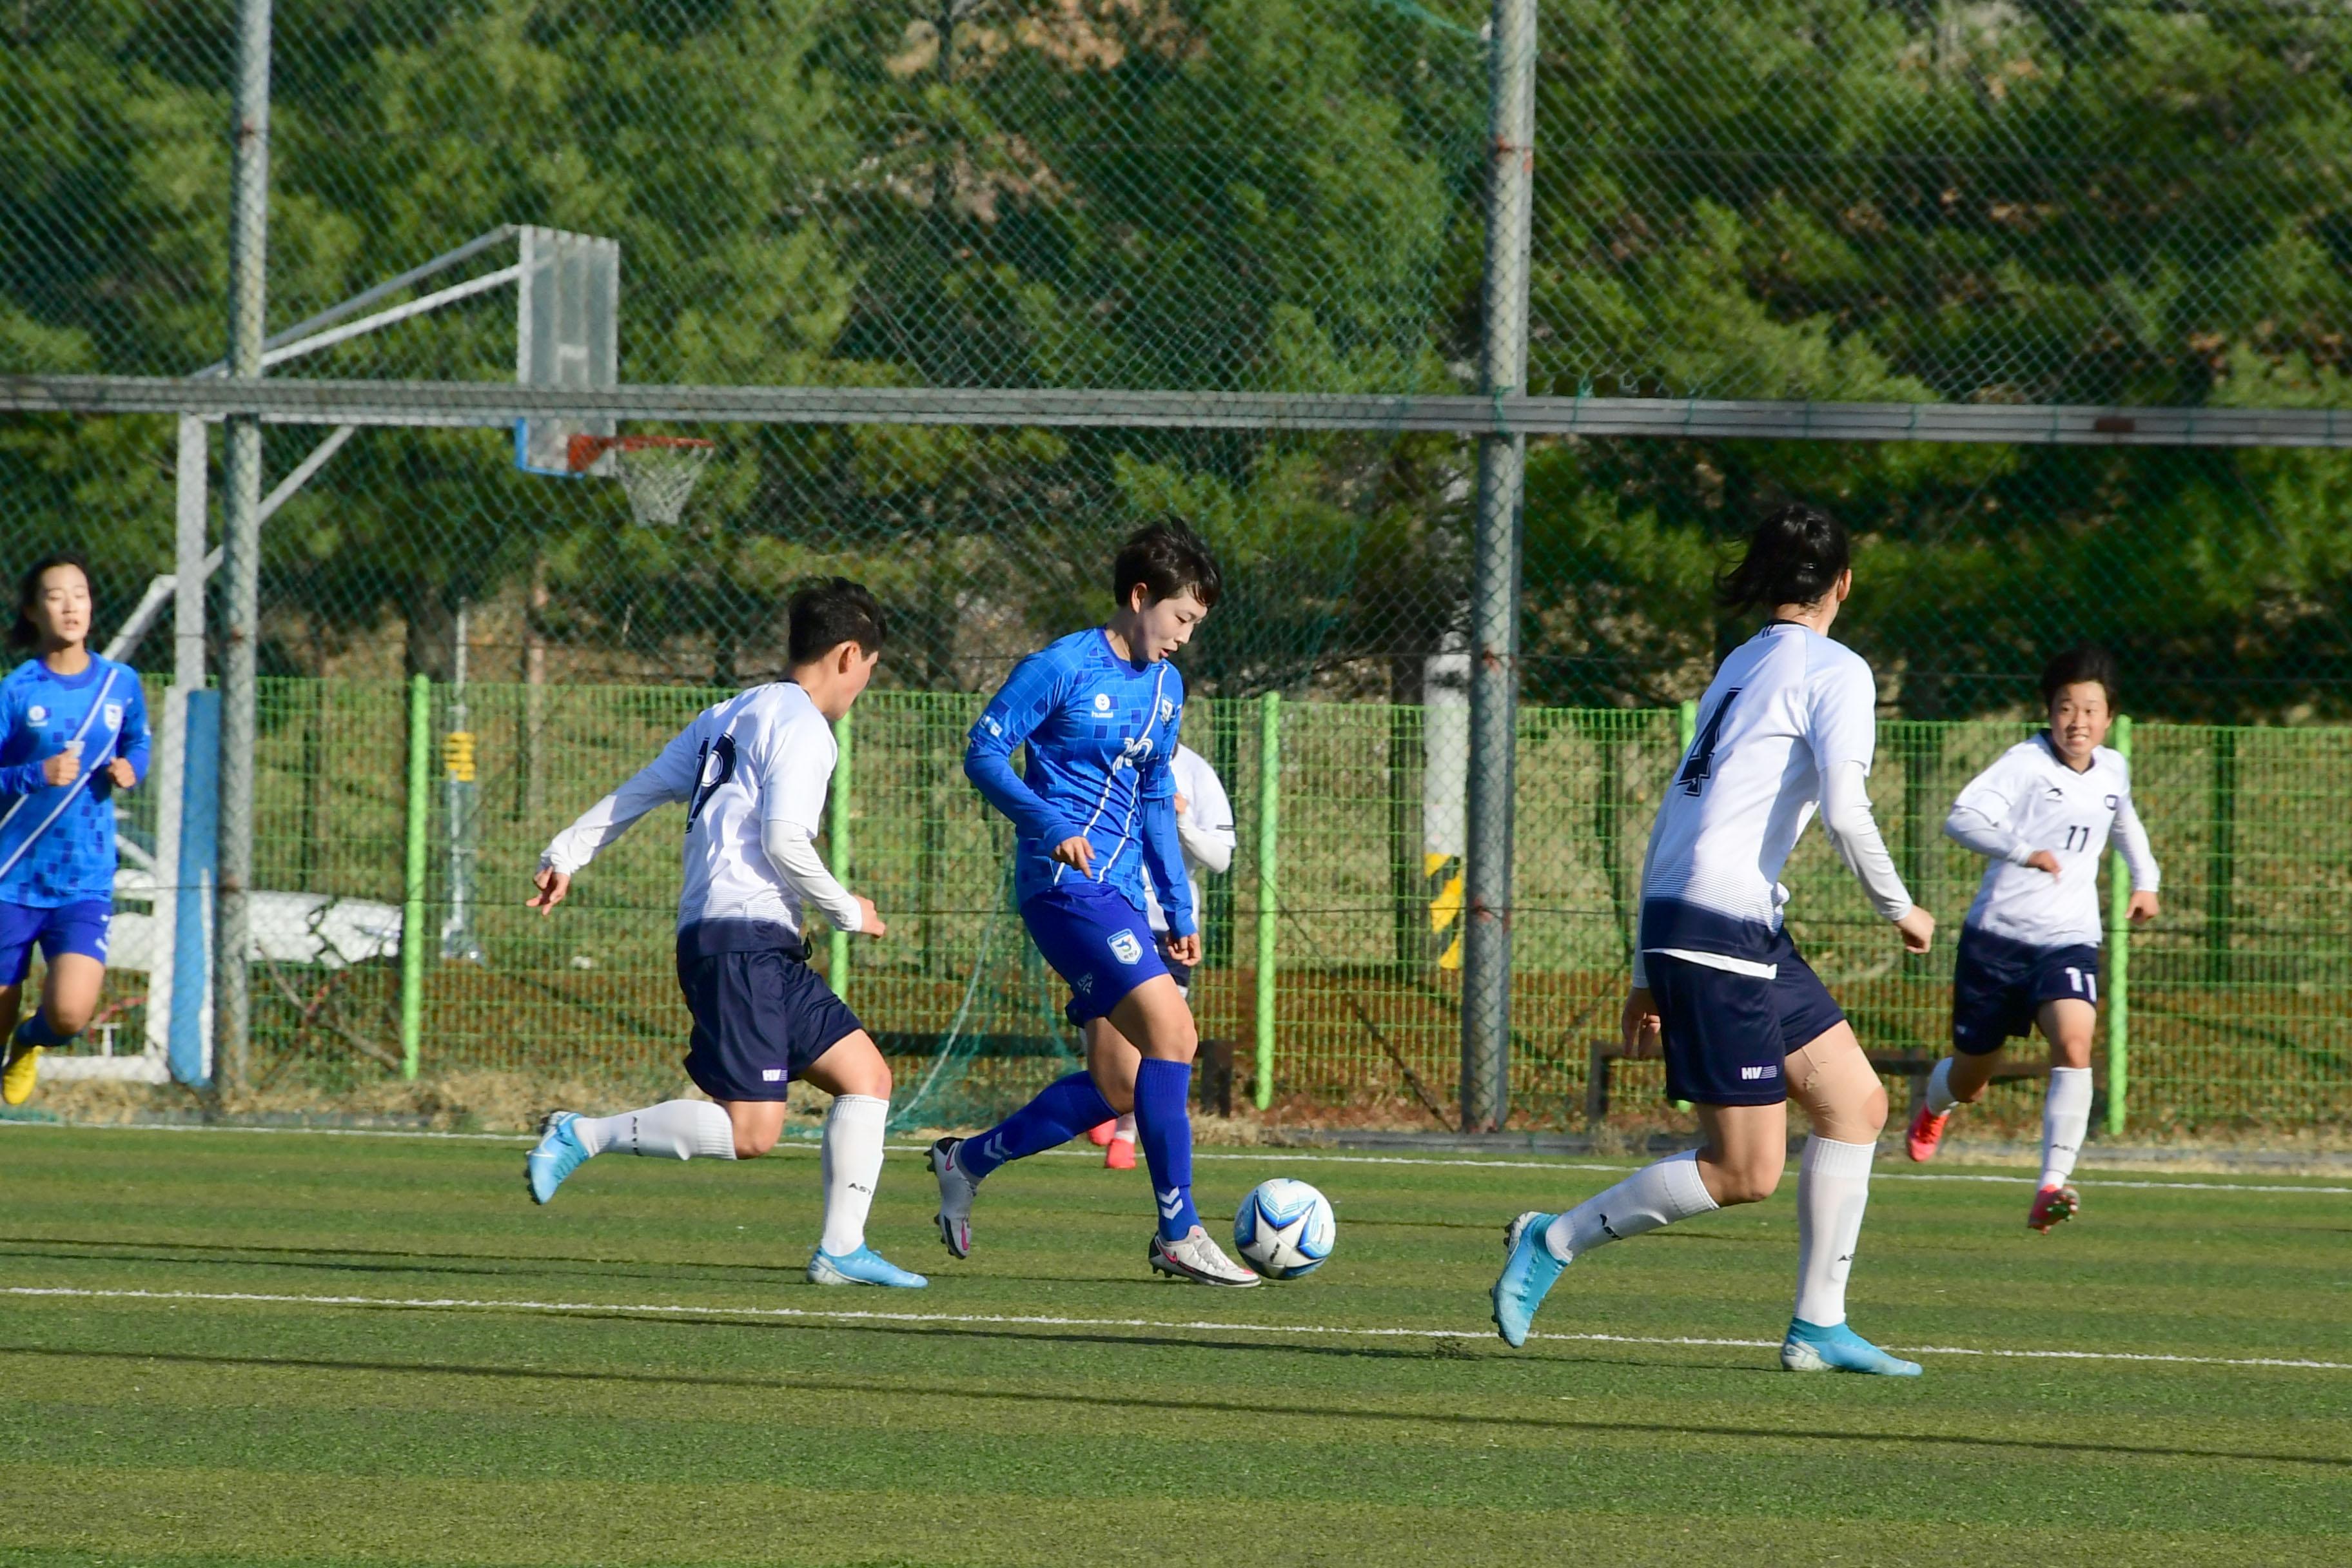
[
  {"x": 1204, "y": 827},
  {"x": 2030, "y": 800},
  {"x": 1789, "y": 721},
  {"x": 752, "y": 772}
]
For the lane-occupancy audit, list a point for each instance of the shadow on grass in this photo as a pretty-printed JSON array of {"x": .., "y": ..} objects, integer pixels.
[{"x": 1091, "y": 1399}]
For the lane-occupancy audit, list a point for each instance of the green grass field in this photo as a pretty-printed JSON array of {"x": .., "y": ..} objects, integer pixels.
[{"x": 410, "y": 1391}]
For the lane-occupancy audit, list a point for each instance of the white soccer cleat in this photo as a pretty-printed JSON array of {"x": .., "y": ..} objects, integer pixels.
[
  {"x": 1194, "y": 1256},
  {"x": 956, "y": 1193}
]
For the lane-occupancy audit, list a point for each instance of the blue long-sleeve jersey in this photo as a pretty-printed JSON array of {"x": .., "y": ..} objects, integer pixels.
[
  {"x": 56, "y": 841},
  {"x": 1099, "y": 730}
]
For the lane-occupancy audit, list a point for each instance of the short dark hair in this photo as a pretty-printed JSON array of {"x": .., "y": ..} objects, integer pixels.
[
  {"x": 1794, "y": 557},
  {"x": 24, "y": 634},
  {"x": 832, "y": 611},
  {"x": 1167, "y": 558},
  {"x": 2076, "y": 666}
]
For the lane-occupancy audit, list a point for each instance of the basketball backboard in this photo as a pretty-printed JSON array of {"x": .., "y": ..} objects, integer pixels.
[{"x": 567, "y": 334}]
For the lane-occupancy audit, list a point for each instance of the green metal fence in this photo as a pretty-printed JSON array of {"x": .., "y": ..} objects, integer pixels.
[{"x": 2237, "y": 998}]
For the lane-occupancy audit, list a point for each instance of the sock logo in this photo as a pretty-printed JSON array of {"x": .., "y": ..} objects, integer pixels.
[
  {"x": 993, "y": 1147},
  {"x": 1172, "y": 1202},
  {"x": 1606, "y": 1231}
]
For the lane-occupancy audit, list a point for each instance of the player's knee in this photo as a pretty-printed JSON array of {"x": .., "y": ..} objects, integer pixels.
[
  {"x": 1871, "y": 1109},
  {"x": 1745, "y": 1183}
]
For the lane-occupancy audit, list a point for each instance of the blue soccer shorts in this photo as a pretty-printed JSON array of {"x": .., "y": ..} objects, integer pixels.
[
  {"x": 1728, "y": 1034},
  {"x": 1099, "y": 944},
  {"x": 1999, "y": 984},
  {"x": 68, "y": 928},
  {"x": 761, "y": 1015}
]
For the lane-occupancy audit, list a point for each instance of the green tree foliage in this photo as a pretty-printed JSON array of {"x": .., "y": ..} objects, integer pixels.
[{"x": 1887, "y": 200}]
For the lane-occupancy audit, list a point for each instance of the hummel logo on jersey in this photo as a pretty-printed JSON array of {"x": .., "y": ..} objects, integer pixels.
[
  {"x": 1125, "y": 948},
  {"x": 1102, "y": 701},
  {"x": 1172, "y": 1202},
  {"x": 37, "y": 714},
  {"x": 2055, "y": 794},
  {"x": 771, "y": 1074},
  {"x": 1769, "y": 1069}
]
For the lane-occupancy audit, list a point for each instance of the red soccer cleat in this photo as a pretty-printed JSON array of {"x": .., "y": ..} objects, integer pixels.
[
  {"x": 2053, "y": 1206},
  {"x": 1926, "y": 1131},
  {"x": 1118, "y": 1154},
  {"x": 1099, "y": 1135}
]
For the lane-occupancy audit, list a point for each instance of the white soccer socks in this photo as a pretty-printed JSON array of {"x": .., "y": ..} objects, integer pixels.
[
  {"x": 1655, "y": 1196},
  {"x": 853, "y": 1165},
  {"x": 678, "y": 1128},
  {"x": 1940, "y": 1098},
  {"x": 2065, "y": 1118},
  {"x": 1833, "y": 1190}
]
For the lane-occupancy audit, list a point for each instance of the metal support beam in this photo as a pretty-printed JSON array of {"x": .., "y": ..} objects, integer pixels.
[
  {"x": 463, "y": 403},
  {"x": 1495, "y": 582},
  {"x": 248, "y": 303}
]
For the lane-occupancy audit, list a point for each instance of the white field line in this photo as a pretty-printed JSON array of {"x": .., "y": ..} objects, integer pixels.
[
  {"x": 1258, "y": 1156},
  {"x": 466, "y": 1304}
]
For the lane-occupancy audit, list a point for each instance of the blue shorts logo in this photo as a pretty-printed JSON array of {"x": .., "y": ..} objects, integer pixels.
[{"x": 1125, "y": 948}]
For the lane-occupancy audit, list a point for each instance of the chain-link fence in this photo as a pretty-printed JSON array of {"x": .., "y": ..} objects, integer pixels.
[{"x": 1932, "y": 206}]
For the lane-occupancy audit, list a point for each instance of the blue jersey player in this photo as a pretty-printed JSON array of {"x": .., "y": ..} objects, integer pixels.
[
  {"x": 73, "y": 732},
  {"x": 1099, "y": 712}
]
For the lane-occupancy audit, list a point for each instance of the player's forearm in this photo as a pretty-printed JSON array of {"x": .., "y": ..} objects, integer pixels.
[
  {"x": 1211, "y": 848},
  {"x": 990, "y": 773},
  {"x": 2139, "y": 856},
  {"x": 24, "y": 778},
  {"x": 1974, "y": 831},
  {"x": 1853, "y": 834},
  {"x": 791, "y": 850},
  {"x": 606, "y": 820},
  {"x": 1163, "y": 856}
]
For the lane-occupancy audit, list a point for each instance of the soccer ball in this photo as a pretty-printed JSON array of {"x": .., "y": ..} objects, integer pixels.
[{"x": 1284, "y": 1228}]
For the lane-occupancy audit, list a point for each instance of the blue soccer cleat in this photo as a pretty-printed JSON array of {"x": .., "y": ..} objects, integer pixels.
[
  {"x": 1811, "y": 1348},
  {"x": 1528, "y": 1271},
  {"x": 557, "y": 1155},
  {"x": 862, "y": 1267}
]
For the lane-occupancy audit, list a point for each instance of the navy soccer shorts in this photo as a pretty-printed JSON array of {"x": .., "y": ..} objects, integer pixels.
[
  {"x": 1999, "y": 984},
  {"x": 1728, "y": 1034},
  {"x": 761, "y": 1015},
  {"x": 1096, "y": 941},
  {"x": 70, "y": 928}
]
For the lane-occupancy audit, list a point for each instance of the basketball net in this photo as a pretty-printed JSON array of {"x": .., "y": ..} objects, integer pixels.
[{"x": 658, "y": 473}]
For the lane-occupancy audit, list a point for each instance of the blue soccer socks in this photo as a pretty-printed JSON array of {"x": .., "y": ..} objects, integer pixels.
[
  {"x": 36, "y": 1030},
  {"x": 1163, "y": 1125},
  {"x": 1062, "y": 1109}
]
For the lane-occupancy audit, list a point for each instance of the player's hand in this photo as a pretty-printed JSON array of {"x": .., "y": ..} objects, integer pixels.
[
  {"x": 120, "y": 771},
  {"x": 1183, "y": 950},
  {"x": 1077, "y": 852},
  {"x": 552, "y": 885},
  {"x": 869, "y": 919},
  {"x": 1640, "y": 1030},
  {"x": 2042, "y": 860},
  {"x": 63, "y": 768},
  {"x": 2145, "y": 907},
  {"x": 1183, "y": 805},
  {"x": 1918, "y": 928}
]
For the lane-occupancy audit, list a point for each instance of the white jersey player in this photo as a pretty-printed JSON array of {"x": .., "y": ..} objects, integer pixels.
[
  {"x": 1788, "y": 726},
  {"x": 2043, "y": 815},
  {"x": 1204, "y": 827},
  {"x": 752, "y": 773}
]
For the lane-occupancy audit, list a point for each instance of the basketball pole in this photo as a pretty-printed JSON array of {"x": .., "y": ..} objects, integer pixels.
[{"x": 249, "y": 305}]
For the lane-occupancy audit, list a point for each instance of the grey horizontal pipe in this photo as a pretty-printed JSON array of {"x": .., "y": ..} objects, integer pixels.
[{"x": 485, "y": 403}]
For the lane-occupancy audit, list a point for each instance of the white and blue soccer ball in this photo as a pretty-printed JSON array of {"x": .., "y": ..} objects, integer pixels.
[{"x": 1285, "y": 1228}]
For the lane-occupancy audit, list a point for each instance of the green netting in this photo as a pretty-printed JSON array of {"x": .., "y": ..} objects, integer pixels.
[{"x": 2239, "y": 996}]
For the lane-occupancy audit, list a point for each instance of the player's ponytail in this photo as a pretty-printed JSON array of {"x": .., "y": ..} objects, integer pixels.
[
  {"x": 24, "y": 634},
  {"x": 1794, "y": 557}
]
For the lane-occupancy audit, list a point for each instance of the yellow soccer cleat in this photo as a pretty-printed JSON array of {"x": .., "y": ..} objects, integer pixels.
[{"x": 16, "y": 1078}]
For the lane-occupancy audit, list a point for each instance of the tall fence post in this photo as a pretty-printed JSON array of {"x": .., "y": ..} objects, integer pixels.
[
  {"x": 1686, "y": 737},
  {"x": 247, "y": 304},
  {"x": 1495, "y": 580},
  {"x": 1270, "y": 883},
  {"x": 836, "y": 829},
  {"x": 2118, "y": 997},
  {"x": 412, "y": 893}
]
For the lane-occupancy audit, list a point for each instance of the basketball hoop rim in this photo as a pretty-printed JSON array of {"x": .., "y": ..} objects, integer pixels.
[{"x": 585, "y": 451}]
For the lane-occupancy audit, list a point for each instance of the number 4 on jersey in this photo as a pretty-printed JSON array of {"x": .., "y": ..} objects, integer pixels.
[{"x": 1699, "y": 766}]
